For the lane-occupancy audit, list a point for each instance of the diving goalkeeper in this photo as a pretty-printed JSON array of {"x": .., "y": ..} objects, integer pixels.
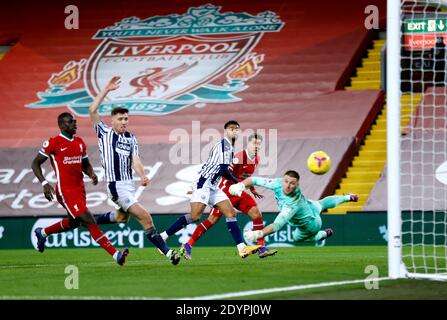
[{"x": 299, "y": 212}]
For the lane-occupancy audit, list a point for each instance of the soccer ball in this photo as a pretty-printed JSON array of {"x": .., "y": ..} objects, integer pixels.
[{"x": 319, "y": 162}]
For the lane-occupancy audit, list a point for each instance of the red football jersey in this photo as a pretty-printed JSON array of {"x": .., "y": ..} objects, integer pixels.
[
  {"x": 66, "y": 158},
  {"x": 242, "y": 168}
]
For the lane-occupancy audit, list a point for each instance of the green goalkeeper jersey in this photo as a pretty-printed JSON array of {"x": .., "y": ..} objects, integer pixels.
[{"x": 295, "y": 209}]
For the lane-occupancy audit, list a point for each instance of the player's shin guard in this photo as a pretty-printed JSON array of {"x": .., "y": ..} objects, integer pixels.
[
  {"x": 157, "y": 240},
  {"x": 233, "y": 228},
  {"x": 200, "y": 230},
  {"x": 258, "y": 224},
  {"x": 60, "y": 226},
  {"x": 181, "y": 222},
  {"x": 101, "y": 239}
]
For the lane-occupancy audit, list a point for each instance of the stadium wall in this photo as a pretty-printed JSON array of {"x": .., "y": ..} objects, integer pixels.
[{"x": 349, "y": 229}]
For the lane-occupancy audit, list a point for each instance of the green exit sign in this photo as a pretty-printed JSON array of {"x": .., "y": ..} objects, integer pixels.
[{"x": 425, "y": 25}]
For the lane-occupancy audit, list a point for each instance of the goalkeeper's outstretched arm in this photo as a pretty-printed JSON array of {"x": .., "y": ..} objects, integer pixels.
[{"x": 280, "y": 221}]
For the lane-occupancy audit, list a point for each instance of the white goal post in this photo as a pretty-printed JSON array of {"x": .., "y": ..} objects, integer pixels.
[{"x": 417, "y": 152}]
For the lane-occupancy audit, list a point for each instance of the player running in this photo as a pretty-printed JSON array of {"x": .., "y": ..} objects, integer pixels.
[
  {"x": 119, "y": 153},
  {"x": 68, "y": 155},
  {"x": 244, "y": 164},
  {"x": 295, "y": 209},
  {"x": 207, "y": 193}
]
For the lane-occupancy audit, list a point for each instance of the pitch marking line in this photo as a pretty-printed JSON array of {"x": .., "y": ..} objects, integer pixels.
[
  {"x": 283, "y": 289},
  {"x": 208, "y": 297}
]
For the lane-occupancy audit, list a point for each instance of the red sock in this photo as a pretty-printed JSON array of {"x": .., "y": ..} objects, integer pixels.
[
  {"x": 258, "y": 224},
  {"x": 58, "y": 227},
  {"x": 101, "y": 239},
  {"x": 200, "y": 230}
]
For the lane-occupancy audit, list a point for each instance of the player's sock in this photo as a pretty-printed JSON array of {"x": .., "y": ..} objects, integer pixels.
[
  {"x": 157, "y": 240},
  {"x": 258, "y": 224},
  {"x": 200, "y": 230},
  {"x": 58, "y": 227},
  {"x": 106, "y": 218},
  {"x": 333, "y": 201},
  {"x": 179, "y": 224},
  {"x": 233, "y": 228},
  {"x": 101, "y": 239},
  {"x": 320, "y": 235}
]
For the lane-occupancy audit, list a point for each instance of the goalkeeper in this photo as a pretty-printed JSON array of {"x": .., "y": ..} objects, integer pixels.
[{"x": 295, "y": 209}]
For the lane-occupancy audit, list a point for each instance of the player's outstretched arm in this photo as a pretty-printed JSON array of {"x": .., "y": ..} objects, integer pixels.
[
  {"x": 238, "y": 188},
  {"x": 113, "y": 84},
  {"x": 139, "y": 169},
  {"x": 48, "y": 190}
]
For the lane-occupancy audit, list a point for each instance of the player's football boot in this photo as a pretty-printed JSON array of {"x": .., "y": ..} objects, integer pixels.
[
  {"x": 40, "y": 240},
  {"x": 266, "y": 252},
  {"x": 248, "y": 250},
  {"x": 353, "y": 197},
  {"x": 329, "y": 233},
  {"x": 175, "y": 257},
  {"x": 121, "y": 257},
  {"x": 186, "y": 251}
]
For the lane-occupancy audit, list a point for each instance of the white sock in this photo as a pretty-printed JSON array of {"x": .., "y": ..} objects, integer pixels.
[
  {"x": 164, "y": 235},
  {"x": 241, "y": 246},
  {"x": 42, "y": 232},
  {"x": 115, "y": 255},
  {"x": 169, "y": 253},
  {"x": 112, "y": 216}
]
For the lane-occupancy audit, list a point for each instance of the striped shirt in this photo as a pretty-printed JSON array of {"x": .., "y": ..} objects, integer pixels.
[
  {"x": 116, "y": 152},
  {"x": 221, "y": 153}
]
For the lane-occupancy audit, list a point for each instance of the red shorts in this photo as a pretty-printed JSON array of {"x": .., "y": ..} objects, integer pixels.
[
  {"x": 73, "y": 200},
  {"x": 243, "y": 203}
]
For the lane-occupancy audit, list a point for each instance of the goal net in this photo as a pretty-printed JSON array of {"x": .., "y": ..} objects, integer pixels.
[{"x": 422, "y": 140}]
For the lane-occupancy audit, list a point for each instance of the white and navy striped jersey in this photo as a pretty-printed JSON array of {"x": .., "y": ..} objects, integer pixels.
[
  {"x": 221, "y": 153},
  {"x": 116, "y": 152}
]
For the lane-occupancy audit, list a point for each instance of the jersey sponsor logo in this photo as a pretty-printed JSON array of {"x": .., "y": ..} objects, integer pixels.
[
  {"x": 123, "y": 148},
  {"x": 72, "y": 160},
  {"x": 166, "y": 63}
]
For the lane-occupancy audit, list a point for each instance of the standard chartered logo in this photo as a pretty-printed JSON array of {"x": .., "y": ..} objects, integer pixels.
[{"x": 81, "y": 237}]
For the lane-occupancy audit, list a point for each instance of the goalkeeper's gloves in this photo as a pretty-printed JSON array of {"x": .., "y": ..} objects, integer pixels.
[
  {"x": 237, "y": 189},
  {"x": 253, "y": 235}
]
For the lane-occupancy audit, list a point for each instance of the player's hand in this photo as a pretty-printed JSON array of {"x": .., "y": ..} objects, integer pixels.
[
  {"x": 94, "y": 178},
  {"x": 144, "y": 181},
  {"x": 236, "y": 189},
  {"x": 257, "y": 195},
  {"x": 49, "y": 192},
  {"x": 113, "y": 84}
]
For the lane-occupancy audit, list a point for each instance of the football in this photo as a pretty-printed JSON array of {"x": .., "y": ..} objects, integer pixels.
[{"x": 319, "y": 162}]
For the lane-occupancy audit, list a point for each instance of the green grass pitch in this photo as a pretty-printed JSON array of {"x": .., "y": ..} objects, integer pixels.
[{"x": 27, "y": 274}]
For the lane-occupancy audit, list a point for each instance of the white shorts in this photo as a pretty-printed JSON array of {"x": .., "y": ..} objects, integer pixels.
[
  {"x": 122, "y": 193},
  {"x": 208, "y": 194}
]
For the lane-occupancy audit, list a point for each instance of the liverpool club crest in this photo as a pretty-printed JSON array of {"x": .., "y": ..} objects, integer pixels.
[{"x": 166, "y": 63}]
